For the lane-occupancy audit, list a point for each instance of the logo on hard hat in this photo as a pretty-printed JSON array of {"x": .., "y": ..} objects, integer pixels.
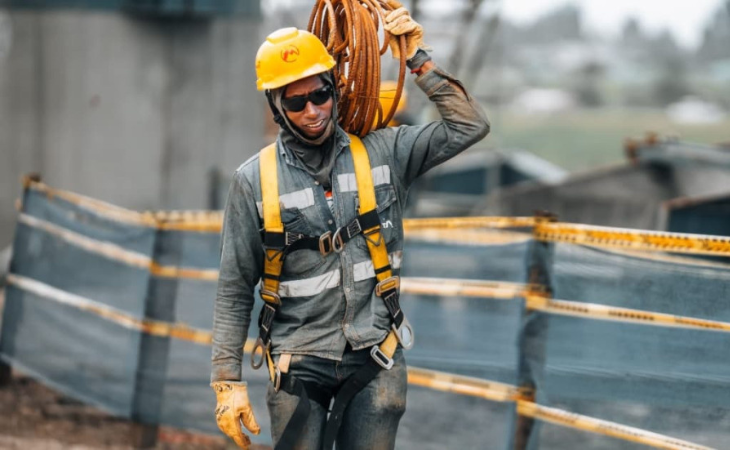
[{"x": 290, "y": 54}]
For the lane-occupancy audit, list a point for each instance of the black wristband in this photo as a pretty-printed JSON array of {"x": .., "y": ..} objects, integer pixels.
[{"x": 419, "y": 59}]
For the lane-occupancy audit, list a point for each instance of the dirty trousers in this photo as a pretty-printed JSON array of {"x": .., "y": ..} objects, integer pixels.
[{"x": 372, "y": 417}]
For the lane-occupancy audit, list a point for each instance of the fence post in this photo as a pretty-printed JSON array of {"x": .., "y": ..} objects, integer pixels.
[
  {"x": 144, "y": 436},
  {"x": 215, "y": 179},
  {"x": 532, "y": 340},
  {"x": 5, "y": 269},
  {"x": 5, "y": 373},
  {"x": 4, "y": 368},
  {"x": 154, "y": 351}
]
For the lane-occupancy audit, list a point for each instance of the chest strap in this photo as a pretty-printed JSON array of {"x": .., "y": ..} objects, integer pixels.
[{"x": 388, "y": 287}]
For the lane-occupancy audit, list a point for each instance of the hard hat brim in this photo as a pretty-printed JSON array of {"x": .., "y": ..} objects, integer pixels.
[{"x": 281, "y": 81}]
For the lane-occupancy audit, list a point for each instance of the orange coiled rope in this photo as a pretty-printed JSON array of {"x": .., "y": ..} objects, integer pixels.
[{"x": 349, "y": 29}]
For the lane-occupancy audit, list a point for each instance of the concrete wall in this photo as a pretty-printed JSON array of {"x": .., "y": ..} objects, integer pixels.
[
  {"x": 621, "y": 196},
  {"x": 133, "y": 111}
]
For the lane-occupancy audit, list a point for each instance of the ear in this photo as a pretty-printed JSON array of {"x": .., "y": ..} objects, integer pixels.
[{"x": 277, "y": 115}]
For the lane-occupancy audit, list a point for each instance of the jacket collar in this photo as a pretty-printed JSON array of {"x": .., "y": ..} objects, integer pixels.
[{"x": 342, "y": 141}]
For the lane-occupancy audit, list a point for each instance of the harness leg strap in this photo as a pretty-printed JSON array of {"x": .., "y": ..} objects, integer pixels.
[
  {"x": 352, "y": 386},
  {"x": 305, "y": 392}
]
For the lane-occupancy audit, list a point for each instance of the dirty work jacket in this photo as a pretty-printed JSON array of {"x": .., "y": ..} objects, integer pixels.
[{"x": 328, "y": 301}]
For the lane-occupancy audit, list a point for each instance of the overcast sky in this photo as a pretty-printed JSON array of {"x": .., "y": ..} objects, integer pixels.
[{"x": 686, "y": 18}]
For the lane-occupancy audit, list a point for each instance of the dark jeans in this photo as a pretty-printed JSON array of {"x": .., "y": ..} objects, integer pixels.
[{"x": 372, "y": 417}]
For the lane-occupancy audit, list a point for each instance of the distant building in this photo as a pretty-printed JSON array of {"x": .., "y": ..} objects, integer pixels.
[{"x": 544, "y": 101}]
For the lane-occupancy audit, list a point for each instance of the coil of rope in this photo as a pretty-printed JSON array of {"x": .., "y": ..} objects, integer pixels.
[{"x": 349, "y": 29}]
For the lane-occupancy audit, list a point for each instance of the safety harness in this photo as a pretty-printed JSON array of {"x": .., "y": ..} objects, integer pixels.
[{"x": 277, "y": 244}]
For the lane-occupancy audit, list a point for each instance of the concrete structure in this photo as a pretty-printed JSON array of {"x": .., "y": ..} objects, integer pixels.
[
  {"x": 631, "y": 195},
  {"x": 131, "y": 110},
  {"x": 457, "y": 186}
]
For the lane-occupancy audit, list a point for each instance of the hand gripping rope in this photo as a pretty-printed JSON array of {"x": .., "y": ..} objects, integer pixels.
[{"x": 349, "y": 29}]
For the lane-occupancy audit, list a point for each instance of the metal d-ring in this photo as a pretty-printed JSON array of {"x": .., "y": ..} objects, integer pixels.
[
  {"x": 404, "y": 333},
  {"x": 259, "y": 349}
]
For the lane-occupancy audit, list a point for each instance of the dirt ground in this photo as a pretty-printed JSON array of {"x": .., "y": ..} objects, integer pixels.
[{"x": 34, "y": 417}]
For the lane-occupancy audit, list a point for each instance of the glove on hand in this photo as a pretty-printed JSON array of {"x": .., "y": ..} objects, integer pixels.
[
  {"x": 233, "y": 409},
  {"x": 399, "y": 23}
]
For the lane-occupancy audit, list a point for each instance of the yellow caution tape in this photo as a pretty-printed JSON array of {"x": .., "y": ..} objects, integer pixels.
[
  {"x": 116, "y": 253},
  {"x": 580, "y": 422},
  {"x": 468, "y": 222},
  {"x": 467, "y": 236},
  {"x": 537, "y": 300},
  {"x": 107, "y": 210},
  {"x": 182, "y": 272},
  {"x": 153, "y": 327},
  {"x": 603, "y": 312},
  {"x": 457, "y": 384},
  {"x": 105, "y": 249},
  {"x": 445, "y": 287},
  {"x": 196, "y": 221},
  {"x": 545, "y": 230},
  {"x": 632, "y": 239}
]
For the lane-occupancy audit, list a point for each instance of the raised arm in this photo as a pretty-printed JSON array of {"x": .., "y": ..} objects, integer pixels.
[{"x": 462, "y": 124}]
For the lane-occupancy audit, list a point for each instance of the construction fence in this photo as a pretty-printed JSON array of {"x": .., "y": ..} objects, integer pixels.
[{"x": 530, "y": 333}]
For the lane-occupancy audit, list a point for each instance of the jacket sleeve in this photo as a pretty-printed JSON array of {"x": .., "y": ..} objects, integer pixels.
[
  {"x": 240, "y": 271},
  {"x": 416, "y": 149}
]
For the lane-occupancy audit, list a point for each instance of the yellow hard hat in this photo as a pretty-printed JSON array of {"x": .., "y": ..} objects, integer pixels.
[
  {"x": 288, "y": 55},
  {"x": 387, "y": 96}
]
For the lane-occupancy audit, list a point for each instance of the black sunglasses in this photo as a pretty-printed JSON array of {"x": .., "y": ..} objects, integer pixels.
[{"x": 297, "y": 103}]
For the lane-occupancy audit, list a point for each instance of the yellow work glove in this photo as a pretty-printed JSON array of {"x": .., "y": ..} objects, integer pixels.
[
  {"x": 399, "y": 22},
  {"x": 233, "y": 409}
]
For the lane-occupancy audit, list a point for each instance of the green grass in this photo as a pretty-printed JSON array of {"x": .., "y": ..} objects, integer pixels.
[{"x": 589, "y": 138}]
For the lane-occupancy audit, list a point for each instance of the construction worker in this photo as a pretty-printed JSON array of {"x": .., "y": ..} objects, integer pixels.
[{"x": 331, "y": 328}]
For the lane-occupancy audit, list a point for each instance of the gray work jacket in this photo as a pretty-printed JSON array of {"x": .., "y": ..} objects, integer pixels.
[{"x": 328, "y": 301}]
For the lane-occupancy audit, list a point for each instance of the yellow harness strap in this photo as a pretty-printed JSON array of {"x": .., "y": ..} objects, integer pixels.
[
  {"x": 373, "y": 236},
  {"x": 366, "y": 193},
  {"x": 274, "y": 258},
  {"x": 272, "y": 222}
]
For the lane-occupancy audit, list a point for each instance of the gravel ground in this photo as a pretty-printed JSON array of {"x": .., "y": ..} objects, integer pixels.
[{"x": 36, "y": 417}]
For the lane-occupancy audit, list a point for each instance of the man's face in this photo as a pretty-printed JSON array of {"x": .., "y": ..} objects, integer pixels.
[{"x": 312, "y": 121}]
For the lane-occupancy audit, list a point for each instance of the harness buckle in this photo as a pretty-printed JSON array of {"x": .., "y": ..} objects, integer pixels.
[
  {"x": 337, "y": 243},
  {"x": 326, "y": 245},
  {"x": 270, "y": 297},
  {"x": 258, "y": 355},
  {"x": 290, "y": 238},
  {"x": 381, "y": 358},
  {"x": 404, "y": 333},
  {"x": 277, "y": 379},
  {"x": 353, "y": 228},
  {"x": 266, "y": 317},
  {"x": 386, "y": 285}
]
